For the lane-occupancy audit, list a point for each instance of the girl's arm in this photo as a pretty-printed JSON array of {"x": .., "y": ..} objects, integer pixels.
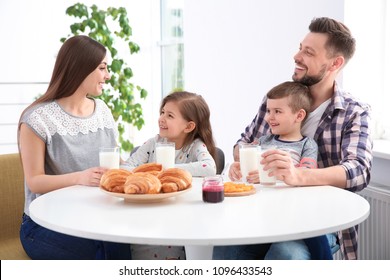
[
  {"x": 199, "y": 163},
  {"x": 144, "y": 154}
]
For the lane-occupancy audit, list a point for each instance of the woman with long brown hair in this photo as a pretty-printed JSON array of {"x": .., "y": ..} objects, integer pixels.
[{"x": 59, "y": 136}]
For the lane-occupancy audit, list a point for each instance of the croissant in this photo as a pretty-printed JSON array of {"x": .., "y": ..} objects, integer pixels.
[
  {"x": 174, "y": 179},
  {"x": 142, "y": 183},
  {"x": 152, "y": 167},
  {"x": 113, "y": 180}
]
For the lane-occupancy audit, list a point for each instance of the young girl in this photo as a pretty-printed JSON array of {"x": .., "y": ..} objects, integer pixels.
[{"x": 185, "y": 120}]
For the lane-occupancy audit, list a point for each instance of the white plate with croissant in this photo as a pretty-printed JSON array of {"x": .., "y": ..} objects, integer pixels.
[
  {"x": 146, "y": 183},
  {"x": 146, "y": 198}
]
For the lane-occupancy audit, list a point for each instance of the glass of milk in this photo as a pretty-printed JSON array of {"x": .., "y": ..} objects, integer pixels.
[
  {"x": 248, "y": 159},
  {"x": 109, "y": 157},
  {"x": 265, "y": 179},
  {"x": 165, "y": 154}
]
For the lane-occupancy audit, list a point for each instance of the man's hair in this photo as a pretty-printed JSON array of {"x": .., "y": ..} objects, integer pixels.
[
  {"x": 340, "y": 40},
  {"x": 298, "y": 94}
]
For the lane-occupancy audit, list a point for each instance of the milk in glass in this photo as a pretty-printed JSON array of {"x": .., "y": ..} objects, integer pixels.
[
  {"x": 248, "y": 159},
  {"x": 165, "y": 154},
  {"x": 265, "y": 179},
  {"x": 109, "y": 157}
]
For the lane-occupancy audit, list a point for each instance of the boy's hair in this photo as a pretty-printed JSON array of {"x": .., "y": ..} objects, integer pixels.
[
  {"x": 194, "y": 108},
  {"x": 298, "y": 94},
  {"x": 340, "y": 40}
]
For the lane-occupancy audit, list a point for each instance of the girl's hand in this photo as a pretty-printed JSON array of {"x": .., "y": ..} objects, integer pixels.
[{"x": 91, "y": 176}]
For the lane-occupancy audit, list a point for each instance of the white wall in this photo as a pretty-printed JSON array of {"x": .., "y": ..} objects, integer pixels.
[
  {"x": 369, "y": 70},
  {"x": 31, "y": 32},
  {"x": 236, "y": 50},
  {"x": 30, "y": 38}
]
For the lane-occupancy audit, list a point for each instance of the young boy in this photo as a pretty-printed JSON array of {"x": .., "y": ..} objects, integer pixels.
[{"x": 288, "y": 105}]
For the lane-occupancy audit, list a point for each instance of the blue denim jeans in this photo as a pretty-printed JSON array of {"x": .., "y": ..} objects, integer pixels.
[
  {"x": 41, "y": 243},
  {"x": 241, "y": 252},
  {"x": 288, "y": 250}
]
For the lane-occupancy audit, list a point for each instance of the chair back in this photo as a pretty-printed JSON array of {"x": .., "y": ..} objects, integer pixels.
[
  {"x": 134, "y": 150},
  {"x": 12, "y": 195},
  {"x": 220, "y": 160}
]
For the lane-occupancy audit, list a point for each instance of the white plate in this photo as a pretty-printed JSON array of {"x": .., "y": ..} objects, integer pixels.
[{"x": 145, "y": 198}]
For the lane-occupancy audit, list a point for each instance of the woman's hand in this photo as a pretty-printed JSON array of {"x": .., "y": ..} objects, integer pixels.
[{"x": 91, "y": 176}]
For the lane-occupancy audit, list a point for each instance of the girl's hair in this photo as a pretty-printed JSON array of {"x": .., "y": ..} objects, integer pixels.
[
  {"x": 78, "y": 57},
  {"x": 298, "y": 94},
  {"x": 194, "y": 108}
]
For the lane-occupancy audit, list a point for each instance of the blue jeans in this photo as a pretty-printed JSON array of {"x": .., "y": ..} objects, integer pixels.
[
  {"x": 288, "y": 250},
  {"x": 41, "y": 243},
  {"x": 241, "y": 252}
]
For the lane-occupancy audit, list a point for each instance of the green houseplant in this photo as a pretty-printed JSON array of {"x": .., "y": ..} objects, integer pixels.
[{"x": 111, "y": 28}]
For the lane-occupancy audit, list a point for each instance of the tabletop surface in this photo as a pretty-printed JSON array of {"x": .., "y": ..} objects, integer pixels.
[{"x": 272, "y": 214}]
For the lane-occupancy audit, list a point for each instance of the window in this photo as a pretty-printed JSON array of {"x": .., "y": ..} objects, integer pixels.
[
  {"x": 172, "y": 47},
  {"x": 366, "y": 75}
]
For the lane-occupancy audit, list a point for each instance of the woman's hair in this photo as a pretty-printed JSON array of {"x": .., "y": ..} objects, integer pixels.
[
  {"x": 340, "y": 40},
  {"x": 78, "y": 57},
  {"x": 298, "y": 94},
  {"x": 194, "y": 108}
]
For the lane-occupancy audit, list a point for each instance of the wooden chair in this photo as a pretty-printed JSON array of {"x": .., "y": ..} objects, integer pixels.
[{"x": 12, "y": 205}]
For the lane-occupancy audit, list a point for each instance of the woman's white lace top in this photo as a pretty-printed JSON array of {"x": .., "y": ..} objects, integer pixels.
[{"x": 72, "y": 142}]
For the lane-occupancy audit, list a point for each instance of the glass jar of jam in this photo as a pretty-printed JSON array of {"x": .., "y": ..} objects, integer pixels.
[{"x": 213, "y": 189}]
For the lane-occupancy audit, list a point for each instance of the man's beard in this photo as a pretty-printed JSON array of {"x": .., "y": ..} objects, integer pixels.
[{"x": 311, "y": 80}]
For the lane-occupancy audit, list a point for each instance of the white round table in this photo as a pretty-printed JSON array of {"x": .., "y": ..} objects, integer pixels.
[{"x": 272, "y": 214}]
